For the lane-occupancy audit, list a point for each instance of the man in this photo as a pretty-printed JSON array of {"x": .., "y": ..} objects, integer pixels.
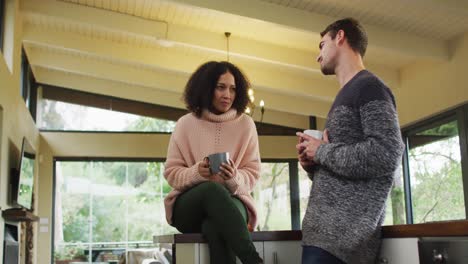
[{"x": 353, "y": 166}]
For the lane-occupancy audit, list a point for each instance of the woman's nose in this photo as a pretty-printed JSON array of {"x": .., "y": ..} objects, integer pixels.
[{"x": 227, "y": 94}]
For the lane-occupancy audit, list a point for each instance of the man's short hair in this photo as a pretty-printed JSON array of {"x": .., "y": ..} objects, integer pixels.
[{"x": 354, "y": 33}]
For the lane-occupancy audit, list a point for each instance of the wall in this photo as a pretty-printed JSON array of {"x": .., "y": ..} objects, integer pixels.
[
  {"x": 433, "y": 87},
  {"x": 16, "y": 120}
]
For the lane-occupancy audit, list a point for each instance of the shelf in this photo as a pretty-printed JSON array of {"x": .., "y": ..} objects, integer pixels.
[{"x": 19, "y": 215}]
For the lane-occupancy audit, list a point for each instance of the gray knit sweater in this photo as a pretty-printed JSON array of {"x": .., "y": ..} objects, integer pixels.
[{"x": 351, "y": 185}]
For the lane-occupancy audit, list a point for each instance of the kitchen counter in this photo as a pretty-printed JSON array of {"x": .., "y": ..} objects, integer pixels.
[{"x": 436, "y": 229}]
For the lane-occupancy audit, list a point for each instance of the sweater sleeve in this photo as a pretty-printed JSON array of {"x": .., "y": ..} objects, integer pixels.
[
  {"x": 177, "y": 172},
  {"x": 378, "y": 154},
  {"x": 248, "y": 171}
]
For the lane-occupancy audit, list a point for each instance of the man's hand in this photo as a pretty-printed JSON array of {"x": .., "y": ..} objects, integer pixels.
[
  {"x": 307, "y": 148},
  {"x": 307, "y": 165},
  {"x": 204, "y": 168}
]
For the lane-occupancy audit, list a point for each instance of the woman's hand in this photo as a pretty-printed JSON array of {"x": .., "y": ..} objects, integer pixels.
[
  {"x": 204, "y": 168},
  {"x": 227, "y": 170}
]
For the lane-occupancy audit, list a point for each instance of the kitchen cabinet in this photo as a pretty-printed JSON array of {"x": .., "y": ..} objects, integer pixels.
[
  {"x": 399, "y": 246},
  {"x": 282, "y": 252},
  {"x": 399, "y": 251},
  {"x": 272, "y": 252},
  {"x": 204, "y": 253}
]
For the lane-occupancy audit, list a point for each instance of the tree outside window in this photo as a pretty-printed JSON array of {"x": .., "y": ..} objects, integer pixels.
[{"x": 436, "y": 176}]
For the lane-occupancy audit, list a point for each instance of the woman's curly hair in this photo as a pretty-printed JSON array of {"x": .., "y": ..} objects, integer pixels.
[{"x": 199, "y": 90}]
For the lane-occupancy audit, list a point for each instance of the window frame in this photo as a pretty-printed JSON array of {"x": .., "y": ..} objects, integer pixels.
[
  {"x": 458, "y": 113},
  {"x": 28, "y": 84}
]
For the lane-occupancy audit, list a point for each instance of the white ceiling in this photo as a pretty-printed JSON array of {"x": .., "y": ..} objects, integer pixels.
[{"x": 115, "y": 47}]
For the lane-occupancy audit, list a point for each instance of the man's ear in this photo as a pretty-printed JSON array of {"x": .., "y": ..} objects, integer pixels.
[{"x": 340, "y": 37}]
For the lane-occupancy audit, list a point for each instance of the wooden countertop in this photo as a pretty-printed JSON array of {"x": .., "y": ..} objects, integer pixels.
[
  {"x": 439, "y": 229},
  {"x": 286, "y": 235},
  {"x": 436, "y": 229}
]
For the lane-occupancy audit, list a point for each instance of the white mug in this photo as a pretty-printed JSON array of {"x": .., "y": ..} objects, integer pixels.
[{"x": 314, "y": 133}]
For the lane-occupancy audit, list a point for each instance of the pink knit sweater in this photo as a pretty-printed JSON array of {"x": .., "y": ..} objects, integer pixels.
[{"x": 195, "y": 138}]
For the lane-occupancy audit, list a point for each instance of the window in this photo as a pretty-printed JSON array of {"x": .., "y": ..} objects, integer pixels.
[
  {"x": 305, "y": 185},
  {"x": 63, "y": 109},
  {"x": 56, "y": 115},
  {"x": 277, "y": 196},
  {"x": 97, "y": 203},
  {"x": 435, "y": 167},
  {"x": 272, "y": 195},
  {"x": 2, "y": 22},
  {"x": 395, "y": 213},
  {"x": 28, "y": 85},
  {"x": 435, "y": 173},
  {"x": 104, "y": 209}
]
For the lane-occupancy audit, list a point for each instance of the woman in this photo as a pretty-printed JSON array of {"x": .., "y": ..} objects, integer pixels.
[{"x": 218, "y": 205}]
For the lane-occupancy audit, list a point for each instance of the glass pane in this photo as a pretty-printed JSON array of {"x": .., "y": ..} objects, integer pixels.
[
  {"x": 435, "y": 170},
  {"x": 72, "y": 211},
  {"x": 102, "y": 201},
  {"x": 395, "y": 212},
  {"x": 146, "y": 204},
  {"x": 71, "y": 253},
  {"x": 109, "y": 207},
  {"x": 72, "y": 202},
  {"x": 55, "y": 115},
  {"x": 273, "y": 197},
  {"x": 305, "y": 184}
]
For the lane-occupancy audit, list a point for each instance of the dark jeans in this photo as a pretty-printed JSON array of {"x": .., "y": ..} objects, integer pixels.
[
  {"x": 209, "y": 208},
  {"x": 315, "y": 255}
]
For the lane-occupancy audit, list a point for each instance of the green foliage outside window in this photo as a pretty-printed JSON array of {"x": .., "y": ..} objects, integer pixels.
[
  {"x": 99, "y": 203},
  {"x": 272, "y": 197}
]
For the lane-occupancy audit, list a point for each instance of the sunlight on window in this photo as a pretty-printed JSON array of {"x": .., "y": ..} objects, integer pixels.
[{"x": 55, "y": 115}]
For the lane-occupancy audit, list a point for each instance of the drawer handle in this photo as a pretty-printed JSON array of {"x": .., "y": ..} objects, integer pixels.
[
  {"x": 437, "y": 257},
  {"x": 383, "y": 261}
]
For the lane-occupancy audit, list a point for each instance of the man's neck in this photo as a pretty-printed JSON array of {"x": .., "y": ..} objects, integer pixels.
[{"x": 350, "y": 65}]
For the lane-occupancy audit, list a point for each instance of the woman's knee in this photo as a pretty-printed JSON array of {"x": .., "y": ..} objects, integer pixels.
[{"x": 213, "y": 187}]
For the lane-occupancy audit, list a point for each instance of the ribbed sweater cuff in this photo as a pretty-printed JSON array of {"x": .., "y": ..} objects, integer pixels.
[
  {"x": 318, "y": 154},
  {"x": 233, "y": 183},
  {"x": 196, "y": 175}
]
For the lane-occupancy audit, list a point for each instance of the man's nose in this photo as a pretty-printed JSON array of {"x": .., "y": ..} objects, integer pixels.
[{"x": 319, "y": 58}]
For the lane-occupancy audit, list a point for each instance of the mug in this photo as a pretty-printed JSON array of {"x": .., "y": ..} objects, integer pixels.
[
  {"x": 216, "y": 159},
  {"x": 314, "y": 133}
]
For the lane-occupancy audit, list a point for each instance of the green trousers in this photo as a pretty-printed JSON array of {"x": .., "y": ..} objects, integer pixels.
[{"x": 210, "y": 209}]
